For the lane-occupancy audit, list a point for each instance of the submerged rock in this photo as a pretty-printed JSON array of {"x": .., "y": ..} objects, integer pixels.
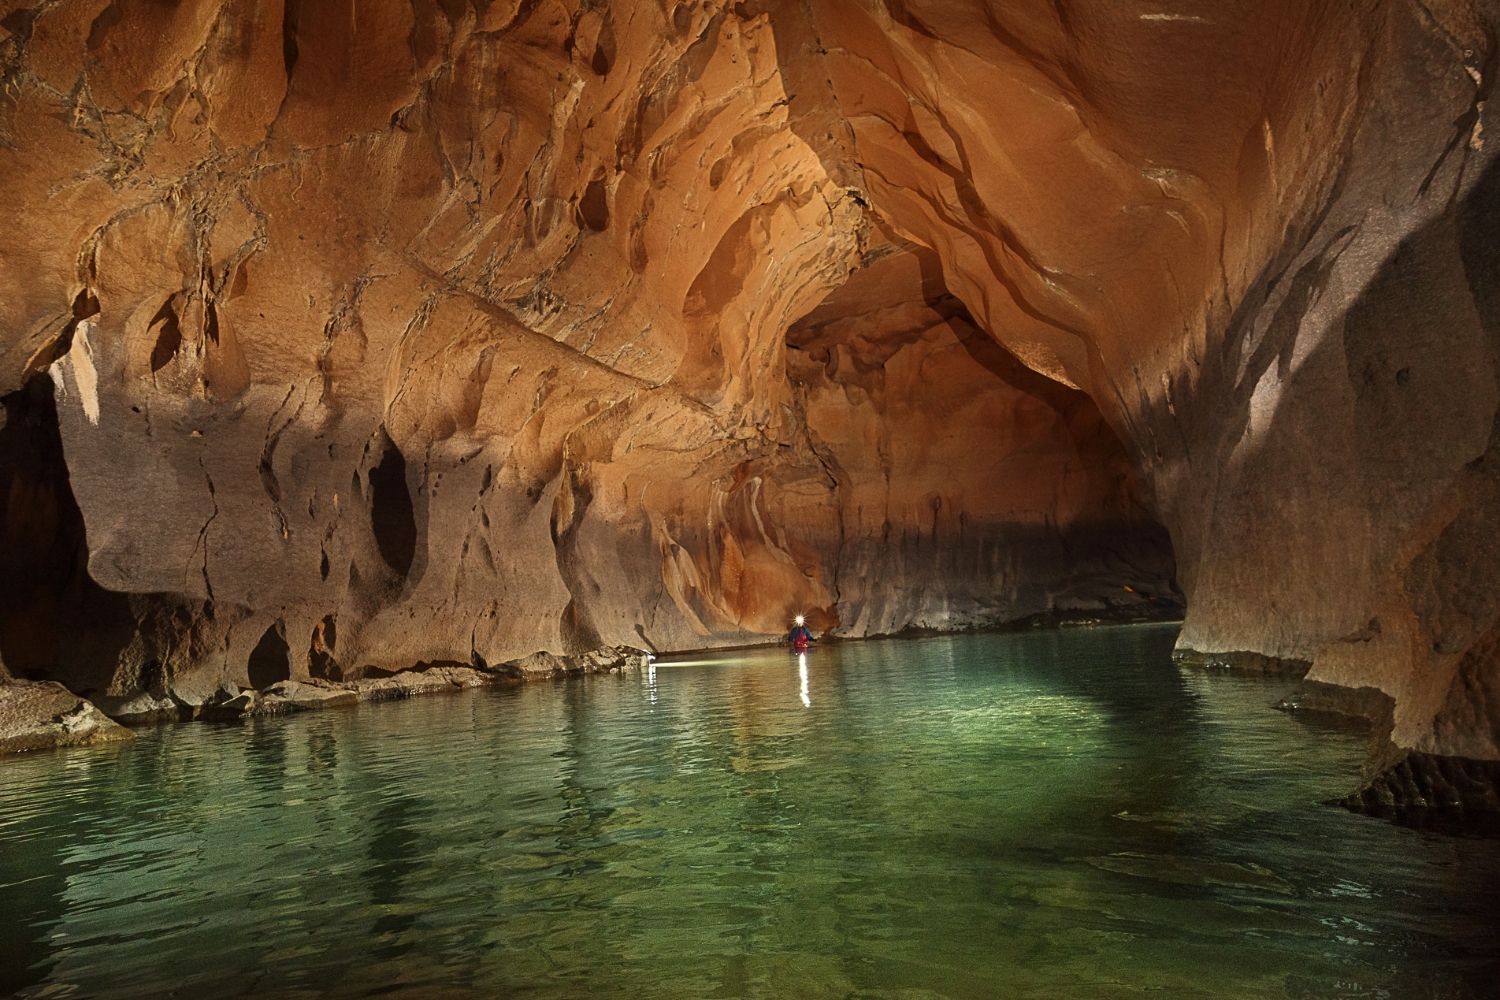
[
  {"x": 1433, "y": 786},
  {"x": 35, "y": 715},
  {"x": 1191, "y": 871}
]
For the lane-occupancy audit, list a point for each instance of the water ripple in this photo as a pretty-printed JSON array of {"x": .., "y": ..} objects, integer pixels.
[{"x": 1050, "y": 815}]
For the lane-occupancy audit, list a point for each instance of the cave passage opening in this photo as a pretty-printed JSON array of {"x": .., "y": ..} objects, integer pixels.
[{"x": 1009, "y": 490}]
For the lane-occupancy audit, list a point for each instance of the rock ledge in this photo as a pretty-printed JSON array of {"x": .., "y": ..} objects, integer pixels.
[
  {"x": 230, "y": 702},
  {"x": 37, "y": 715}
]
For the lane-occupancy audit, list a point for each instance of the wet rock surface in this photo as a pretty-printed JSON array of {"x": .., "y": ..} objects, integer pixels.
[
  {"x": 1244, "y": 661},
  {"x": 281, "y": 697},
  {"x": 1434, "y": 792},
  {"x": 37, "y": 715}
]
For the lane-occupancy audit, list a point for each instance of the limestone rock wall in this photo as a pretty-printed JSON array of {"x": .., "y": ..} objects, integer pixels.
[
  {"x": 382, "y": 333},
  {"x": 977, "y": 483},
  {"x": 351, "y": 335},
  {"x": 1261, "y": 236}
]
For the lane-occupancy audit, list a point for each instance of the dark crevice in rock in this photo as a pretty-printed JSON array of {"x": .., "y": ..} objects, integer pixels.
[
  {"x": 270, "y": 660},
  {"x": 203, "y": 539},
  {"x": 392, "y": 516},
  {"x": 107, "y": 19},
  {"x": 593, "y": 207},
  {"x": 575, "y": 625},
  {"x": 168, "y": 336},
  {"x": 211, "y": 323},
  {"x": 55, "y": 621},
  {"x": 290, "y": 15},
  {"x": 320, "y": 653},
  {"x": 267, "y": 465}
]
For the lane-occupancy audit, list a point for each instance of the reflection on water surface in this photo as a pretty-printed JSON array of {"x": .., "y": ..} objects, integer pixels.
[{"x": 1056, "y": 814}]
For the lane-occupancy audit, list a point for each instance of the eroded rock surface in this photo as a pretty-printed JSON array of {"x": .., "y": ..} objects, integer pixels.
[
  {"x": 441, "y": 332},
  {"x": 37, "y": 715},
  {"x": 451, "y": 333},
  {"x": 938, "y": 527},
  {"x": 1423, "y": 783},
  {"x": 1261, "y": 237}
]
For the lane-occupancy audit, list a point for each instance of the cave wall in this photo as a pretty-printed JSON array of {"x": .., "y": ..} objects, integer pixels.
[
  {"x": 1037, "y": 508},
  {"x": 380, "y": 334},
  {"x": 386, "y": 333},
  {"x": 1260, "y": 235}
]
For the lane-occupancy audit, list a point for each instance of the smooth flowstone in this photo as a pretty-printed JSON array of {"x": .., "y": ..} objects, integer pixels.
[{"x": 35, "y": 715}]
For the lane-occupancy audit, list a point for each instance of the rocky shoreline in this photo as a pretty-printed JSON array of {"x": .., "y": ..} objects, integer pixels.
[
  {"x": 38, "y": 715},
  {"x": 1404, "y": 786},
  {"x": 44, "y": 714}
]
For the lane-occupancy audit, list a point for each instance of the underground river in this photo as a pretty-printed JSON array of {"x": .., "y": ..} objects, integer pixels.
[{"x": 1051, "y": 814}]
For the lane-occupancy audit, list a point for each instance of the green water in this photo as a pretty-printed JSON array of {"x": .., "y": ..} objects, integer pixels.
[{"x": 1062, "y": 814}]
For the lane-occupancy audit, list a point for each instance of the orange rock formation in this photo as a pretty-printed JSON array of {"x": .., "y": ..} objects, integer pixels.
[{"x": 382, "y": 333}]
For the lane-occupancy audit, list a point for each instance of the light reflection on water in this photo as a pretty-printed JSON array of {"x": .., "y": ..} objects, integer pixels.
[{"x": 1041, "y": 815}]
